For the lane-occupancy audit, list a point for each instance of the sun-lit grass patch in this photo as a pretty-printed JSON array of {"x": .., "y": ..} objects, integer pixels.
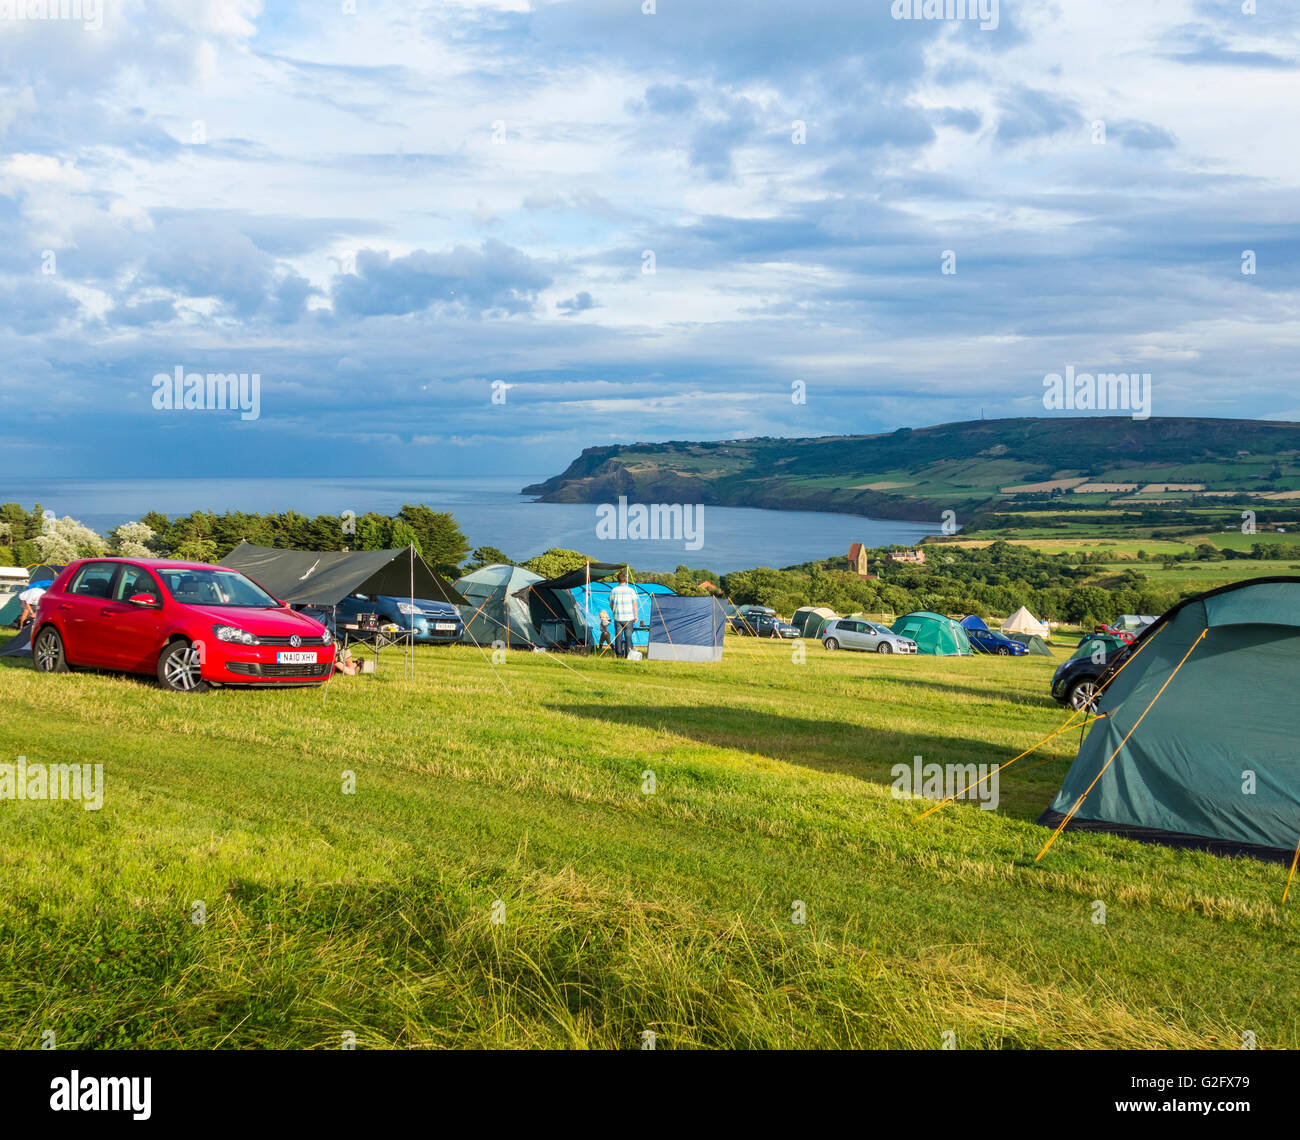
[{"x": 622, "y": 912}]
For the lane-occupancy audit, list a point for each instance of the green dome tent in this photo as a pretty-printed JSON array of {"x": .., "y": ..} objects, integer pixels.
[
  {"x": 495, "y": 612},
  {"x": 1036, "y": 645},
  {"x": 1204, "y": 709},
  {"x": 934, "y": 634},
  {"x": 808, "y": 620}
]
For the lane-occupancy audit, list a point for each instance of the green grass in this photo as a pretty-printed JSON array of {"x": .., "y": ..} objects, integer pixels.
[{"x": 624, "y": 912}]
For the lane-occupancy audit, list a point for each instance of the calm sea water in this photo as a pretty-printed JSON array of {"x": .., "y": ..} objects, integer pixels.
[{"x": 489, "y": 509}]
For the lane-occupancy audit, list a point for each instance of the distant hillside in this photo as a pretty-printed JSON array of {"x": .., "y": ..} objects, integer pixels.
[{"x": 969, "y": 468}]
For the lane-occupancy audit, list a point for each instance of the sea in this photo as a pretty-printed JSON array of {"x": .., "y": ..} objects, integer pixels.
[{"x": 489, "y": 509}]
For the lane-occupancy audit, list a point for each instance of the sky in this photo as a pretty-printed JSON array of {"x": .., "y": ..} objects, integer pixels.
[{"x": 482, "y": 235}]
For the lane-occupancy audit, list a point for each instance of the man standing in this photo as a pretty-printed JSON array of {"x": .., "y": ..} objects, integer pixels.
[{"x": 624, "y": 604}]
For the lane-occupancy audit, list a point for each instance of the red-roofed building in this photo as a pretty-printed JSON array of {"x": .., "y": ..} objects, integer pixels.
[{"x": 858, "y": 560}]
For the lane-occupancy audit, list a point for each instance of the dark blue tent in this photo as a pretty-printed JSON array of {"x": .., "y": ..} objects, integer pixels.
[{"x": 686, "y": 629}]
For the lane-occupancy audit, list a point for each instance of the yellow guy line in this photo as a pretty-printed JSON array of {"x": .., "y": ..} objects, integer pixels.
[
  {"x": 1292, "y": 874},
  {"x": 1068, "y": 724},
  {"x": 957, "y": 795}
]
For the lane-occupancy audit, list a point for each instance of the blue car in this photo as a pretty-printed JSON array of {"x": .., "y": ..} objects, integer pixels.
[
  {"x": 985, "y": 640},
  {"x": 434, "y": 623}
]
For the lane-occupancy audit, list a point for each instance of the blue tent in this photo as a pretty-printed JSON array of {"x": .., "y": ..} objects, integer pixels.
[
  {"x": 588, "y": 601},
  {"x": 686, "y": 629}
]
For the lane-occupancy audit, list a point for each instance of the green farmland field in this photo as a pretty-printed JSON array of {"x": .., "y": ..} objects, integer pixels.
[{"x": 505, "y": 874}]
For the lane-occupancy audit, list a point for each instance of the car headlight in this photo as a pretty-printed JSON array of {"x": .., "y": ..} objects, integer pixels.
[{"x": 233, "y": 633}]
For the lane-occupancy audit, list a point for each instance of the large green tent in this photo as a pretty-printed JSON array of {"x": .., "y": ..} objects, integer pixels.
[
  {"x": 934, "y": 634},
  {"x": 1212, "y": 761},
  {"x": 494, "y": 609}
]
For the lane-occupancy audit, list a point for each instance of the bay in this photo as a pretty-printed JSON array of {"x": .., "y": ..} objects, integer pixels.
[{"x": 489, "y": 509}]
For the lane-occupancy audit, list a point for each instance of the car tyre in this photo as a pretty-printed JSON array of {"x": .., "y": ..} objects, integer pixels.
[
  {"x": 1003, "y": 651},
  {"x": 47, "y": 652},
  {"x": 884, "y": 647},
  {"x": 1083, "y": 695},
  {"x": 831, "y": 644},
  {"x": 180, "y": 669}
]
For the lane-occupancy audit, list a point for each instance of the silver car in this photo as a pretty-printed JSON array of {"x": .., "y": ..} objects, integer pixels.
[{"x": 858, "y": 633}]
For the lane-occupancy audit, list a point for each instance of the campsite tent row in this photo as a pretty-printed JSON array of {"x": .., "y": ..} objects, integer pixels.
[{"x": 512, "y": 605}]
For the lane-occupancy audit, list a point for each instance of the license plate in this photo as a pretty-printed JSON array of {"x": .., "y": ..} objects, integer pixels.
[
  {"x": 445, "y": 626},
  {"x": 295, "y": 658}
]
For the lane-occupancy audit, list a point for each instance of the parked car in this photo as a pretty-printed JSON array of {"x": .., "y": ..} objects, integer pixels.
[
  {"x": 1077, "y": 681},
  {"x": 433, "y": 623},
  {"x": 190, "y": 624},
  {"x": 990, "y": 641},
  {"x": 858, "y": 633},
  {"x": 757, "y": 622}
]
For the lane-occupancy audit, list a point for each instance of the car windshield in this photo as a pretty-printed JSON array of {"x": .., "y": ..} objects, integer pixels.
[
  {"x": 216, "y": 588},
  {"x": 876, "y": 628}
]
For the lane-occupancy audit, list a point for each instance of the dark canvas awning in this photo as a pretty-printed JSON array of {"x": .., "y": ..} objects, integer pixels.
[
  {"x": 575, "y": 578},
  {"x": 326, "y": 577}
]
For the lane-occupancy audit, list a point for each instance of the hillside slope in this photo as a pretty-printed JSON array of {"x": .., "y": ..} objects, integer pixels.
[{"x": 917, "y": 474}]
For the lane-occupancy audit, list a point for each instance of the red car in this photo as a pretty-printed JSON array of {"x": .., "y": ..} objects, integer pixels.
[{"x": 191, "y": 624}]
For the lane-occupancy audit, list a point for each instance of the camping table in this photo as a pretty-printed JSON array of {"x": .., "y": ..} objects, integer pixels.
[{"x": 376, "y": 639}]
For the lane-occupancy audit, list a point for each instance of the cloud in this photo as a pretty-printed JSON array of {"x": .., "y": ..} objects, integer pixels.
[
  {"x": 1144, "y": 136},
  {"x": 577, "y": 304},
  {"x": 35, "y": 306},
  {"x": 1026, "y": 113},
  {"x": 494, "y": 277}
]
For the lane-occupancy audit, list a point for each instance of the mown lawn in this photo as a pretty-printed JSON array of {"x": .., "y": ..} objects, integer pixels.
[{"x": 518, "y": 794}]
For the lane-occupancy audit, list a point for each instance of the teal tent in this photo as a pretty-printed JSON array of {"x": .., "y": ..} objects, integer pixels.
[
  {"x": 1036, "y": 645},
  {"x": 1213, "y": 763},
  {"x": 934, "y": 634},
  {"x": 10, "y": 608},
  {"x": 1102, "y": 646},
  {"x": 495, "y": 612}
]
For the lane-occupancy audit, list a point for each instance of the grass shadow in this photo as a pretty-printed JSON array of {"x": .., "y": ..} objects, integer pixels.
[{"x": 838, "y": 747}]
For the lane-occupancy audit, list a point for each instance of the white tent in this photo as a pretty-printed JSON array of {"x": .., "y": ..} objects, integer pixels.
[{"x": 1022, "y": 621}]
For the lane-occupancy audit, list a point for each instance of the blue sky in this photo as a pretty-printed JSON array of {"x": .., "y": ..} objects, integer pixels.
[{"x": 382, "y": 208}]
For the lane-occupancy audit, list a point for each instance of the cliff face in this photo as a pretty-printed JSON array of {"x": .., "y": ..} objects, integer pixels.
[{"x": 916, "y": 475}]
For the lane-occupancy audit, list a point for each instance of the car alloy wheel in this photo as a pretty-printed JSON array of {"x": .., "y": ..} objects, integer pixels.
[
  {"x": 1003, "y": 651},
  {"x": 884, "y": 647},
  {"x": 48, "y": 655},
  {"x": 831, "y": 643},
  {"x": 1084, "y": 696},
  {"x": 180, "y": 668}
]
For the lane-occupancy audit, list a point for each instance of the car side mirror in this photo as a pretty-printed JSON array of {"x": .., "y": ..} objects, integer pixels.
[{"x": 147, "y": 600}]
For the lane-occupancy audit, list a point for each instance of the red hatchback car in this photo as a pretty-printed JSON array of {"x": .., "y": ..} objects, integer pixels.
[{"x": 191, "y": 624}]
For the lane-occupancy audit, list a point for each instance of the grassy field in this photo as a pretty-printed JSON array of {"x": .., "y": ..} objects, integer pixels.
[{"x": 520, "y": 794}]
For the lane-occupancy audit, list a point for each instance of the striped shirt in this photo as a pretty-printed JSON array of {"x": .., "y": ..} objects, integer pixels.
[{"x": 623, "y": 602}]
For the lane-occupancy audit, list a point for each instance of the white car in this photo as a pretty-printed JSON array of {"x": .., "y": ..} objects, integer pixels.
[{"x": 858, "y": 633}]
